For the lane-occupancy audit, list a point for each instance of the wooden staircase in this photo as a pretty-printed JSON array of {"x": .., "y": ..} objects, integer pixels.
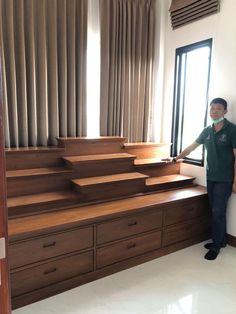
[
  {"x": 82, "y": 179},
  {"x": 95, "y": 204}
]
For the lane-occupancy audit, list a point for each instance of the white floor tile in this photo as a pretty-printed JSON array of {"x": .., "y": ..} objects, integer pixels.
[{"x": 179, "y": 283}]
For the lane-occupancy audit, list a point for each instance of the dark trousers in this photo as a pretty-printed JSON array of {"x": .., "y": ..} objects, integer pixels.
[{"x": 218, "y": 194}]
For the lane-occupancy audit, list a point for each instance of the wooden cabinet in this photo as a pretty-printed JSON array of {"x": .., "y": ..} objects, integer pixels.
[
  {"x": 41, "y": 248},
  {"x": 185, "y": 210},
  {"x": 45, "y": 274},
  {"x": 128, "y": 226},
  {"x": 185, "y": 231},
  {"x": 128, "y": 248},
  {"x": 54, "y": 262},
  {"x": 185, "y": 220}
]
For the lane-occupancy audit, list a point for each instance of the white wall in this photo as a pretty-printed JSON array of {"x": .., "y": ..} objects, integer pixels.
[{"x": 222, "y": 28}]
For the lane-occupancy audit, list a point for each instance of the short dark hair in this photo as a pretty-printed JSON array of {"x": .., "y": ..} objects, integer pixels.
[{"x": 220, "y": 101}]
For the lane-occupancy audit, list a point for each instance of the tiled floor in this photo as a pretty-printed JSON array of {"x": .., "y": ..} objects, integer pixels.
[{"x": 179, "y": 283}]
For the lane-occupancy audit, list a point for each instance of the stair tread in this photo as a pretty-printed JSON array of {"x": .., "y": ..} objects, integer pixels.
[
  {"x": 35, "y": 172},
  {"x": 25, "y": 200},
  {"x": 109, "y": 178},
  {"x": 99, "y": 157},
  {"x": 23, "y": 227},
  {"x": 149, "y": 161},
  {"x": 167, "y": 179}
]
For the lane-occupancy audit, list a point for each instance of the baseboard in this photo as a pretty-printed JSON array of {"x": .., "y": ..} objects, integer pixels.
[{"x": 231, "y": 240}]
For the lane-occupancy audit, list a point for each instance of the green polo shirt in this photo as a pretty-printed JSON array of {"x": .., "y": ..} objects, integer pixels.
[{"x": 220, "y": 156}]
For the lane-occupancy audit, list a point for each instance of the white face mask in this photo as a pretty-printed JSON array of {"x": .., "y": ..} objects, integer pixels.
[{"x": 217, "y": 120}]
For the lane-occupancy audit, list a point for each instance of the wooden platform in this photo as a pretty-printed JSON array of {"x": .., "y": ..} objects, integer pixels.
[
  {"x": 26, "y": 227},
  {"x": 100, "y": 164},
  {"x": 92, "y": 207},
  {"x": 75, "y": 160},
  {"x": 110, "y": 186}
]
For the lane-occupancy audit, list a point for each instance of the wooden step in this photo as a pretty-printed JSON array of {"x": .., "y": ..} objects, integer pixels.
[
  {"x": 36, "y": 172},
  {"x": 33, "y": 157},
  {"x": 37, "y": 180},
  {"x": 104, "y": 187},
  {"x": 75, "y": 160},
  {"x": 102, "y": 164},
  {"x": 155, "y": 167},
  {"x": 167, "y": 182},
  {"x": 25, "y": 227},
  {"x": 23, "y": 205}
]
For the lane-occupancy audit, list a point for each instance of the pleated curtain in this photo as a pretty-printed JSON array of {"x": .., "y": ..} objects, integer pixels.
[
  {"x": 127, "y": 57},
  {"x": 43, "y": 45}
]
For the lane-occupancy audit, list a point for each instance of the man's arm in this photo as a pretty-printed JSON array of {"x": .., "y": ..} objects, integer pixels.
[
  {"x": 188, "y": 150},
  {"x": 234, "y": 183}
]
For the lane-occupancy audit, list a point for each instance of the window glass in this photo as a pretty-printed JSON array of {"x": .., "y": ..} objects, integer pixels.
[{"x": 190, "y": 98}]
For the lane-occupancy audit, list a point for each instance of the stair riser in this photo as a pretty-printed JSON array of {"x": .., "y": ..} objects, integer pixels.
[
  {"x": 159, "y": 170},
  {"x": 37, "y": 184},
  {"x": 169, "y": 185},
  {"x": 92, "y": 147},
  {"x": 101, "y": 168},
  {"x": 111, "y": 190},
  {"x": 148, "y": 151}
]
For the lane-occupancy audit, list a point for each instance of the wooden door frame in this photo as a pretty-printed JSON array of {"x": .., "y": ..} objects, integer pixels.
[{"x": 5, "y": 304}]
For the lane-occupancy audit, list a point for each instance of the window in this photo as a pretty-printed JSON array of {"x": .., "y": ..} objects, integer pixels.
[
  {"x": 192, "y": 70},
  {"x": 93, "y": 70}
]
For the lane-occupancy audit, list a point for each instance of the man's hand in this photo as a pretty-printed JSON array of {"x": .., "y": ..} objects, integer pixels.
[
  {"x": 168, "y": 159},
  {"x": 171, "y": 159}
]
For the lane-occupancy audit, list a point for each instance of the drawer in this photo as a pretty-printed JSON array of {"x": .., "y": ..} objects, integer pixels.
[
  {"x": 128, "y": 248},
  {"x": 185, "y": 231},
  {"x": 185, "y": 211},
  {"x": 128, "y": 226},
  {"x": 48, "y": 273},
  {"x": 30, "y": 251}
]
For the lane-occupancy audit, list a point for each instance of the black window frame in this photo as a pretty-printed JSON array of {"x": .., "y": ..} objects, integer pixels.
[{"x": 176, "y": 147}]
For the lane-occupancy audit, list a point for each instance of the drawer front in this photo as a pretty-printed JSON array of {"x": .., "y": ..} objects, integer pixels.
[
  {"x": 128, "y": 248},
  {"x": 48, "y": 273},
  {"x": 185, "y": 231},
  {"x": 128, "y": 226},
  {"x": 31, "y": 251},
  {"x": 185, "y": 211}
]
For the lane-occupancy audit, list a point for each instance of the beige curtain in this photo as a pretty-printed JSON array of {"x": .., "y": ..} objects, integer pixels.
[
  {"x": 127, "y": 56},
  {"x": 43, "y": 45}
]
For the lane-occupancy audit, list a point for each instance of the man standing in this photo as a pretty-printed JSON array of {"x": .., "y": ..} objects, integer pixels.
[{"x": 219, "y": 140}]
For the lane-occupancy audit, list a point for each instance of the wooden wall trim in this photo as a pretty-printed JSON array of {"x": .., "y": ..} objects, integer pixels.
[
  {"x": 231, "y": 240},
  {"x": 5, "y": 306}
]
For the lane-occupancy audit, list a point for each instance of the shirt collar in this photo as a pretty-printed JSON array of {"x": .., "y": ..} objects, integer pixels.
[{"x": 226, "y": 123}]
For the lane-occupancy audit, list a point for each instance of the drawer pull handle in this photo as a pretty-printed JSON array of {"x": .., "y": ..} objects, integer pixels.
[
  {"x": 131, "y": 246},
  {"x": 49, "y": 271},
  {"x": 130, "y": 224},
  {"x": 49, "y": 244}
]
